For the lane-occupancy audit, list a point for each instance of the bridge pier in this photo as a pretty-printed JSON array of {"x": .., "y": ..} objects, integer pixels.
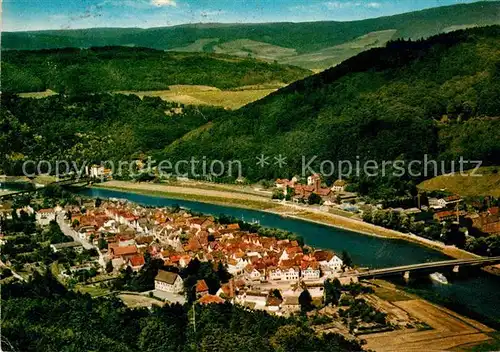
[
  {"x": 456, "y": 268},
  {"x": 406, "y": 276}
]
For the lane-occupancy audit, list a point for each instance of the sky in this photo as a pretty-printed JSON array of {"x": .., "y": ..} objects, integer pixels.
[{"x": 19, "y": 15}]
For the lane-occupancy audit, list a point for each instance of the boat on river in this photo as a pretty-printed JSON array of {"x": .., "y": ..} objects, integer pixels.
[{"x": 439, "y": 278}]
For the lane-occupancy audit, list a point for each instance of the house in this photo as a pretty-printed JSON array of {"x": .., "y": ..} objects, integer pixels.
[
  {"x": 447, "y": 215},
  {"x": 136, "y": 262},
  {"x": 435, "y": 203},
  {"x": 201, "y": 288},
  {"x": 273, "y": 303},
  {"x": 290, "y": 274},
  {"x": 311, "y": 272},
  {"x": 99, "y": 171},
  {"x": 339, "y": 186},
  {"x": 209, "y": 299},
  {"x": 314, "y": 180},
  {"x": 168, "y": 282},
  {"x": 227, "y": 291},
  {"x": 251, "y": 273},
  {"x": 45, "y": 216},
  {"x": 122, "y": 251},
  {"x": 328, "y": 259},
  {"x": 274, "y": 274}
]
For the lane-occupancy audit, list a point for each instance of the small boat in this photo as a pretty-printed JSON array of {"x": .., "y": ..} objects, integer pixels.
[{"x": 438, "y": 277}]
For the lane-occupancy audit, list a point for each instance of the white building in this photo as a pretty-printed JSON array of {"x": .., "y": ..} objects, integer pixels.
[
  {"x": 45, "y": 216},
  {"x": 311, "y": 273},
  {"x": 168, "y": 282},
  {"x": 339, "y": 186}
]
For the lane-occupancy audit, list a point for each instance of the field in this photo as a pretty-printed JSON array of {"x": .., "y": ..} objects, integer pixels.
[
  {"x": 206, "y": 95},
  {"x": 332, "y": 56},
  {"x": 43, "y": 94},
  {"x": 447, "y": 329},
  {"x": 136, "y": 301},
  {"x": 487, "y": 184},
  {"x": 316, "y": 61},
  {"x": 247, "y": 47}
]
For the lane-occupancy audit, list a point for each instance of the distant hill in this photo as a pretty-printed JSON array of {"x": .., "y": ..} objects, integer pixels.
[
  {"x": 437, "y": 97},
  {"x": 121, "y": 68},
  {"x": 313, "y": 45}
]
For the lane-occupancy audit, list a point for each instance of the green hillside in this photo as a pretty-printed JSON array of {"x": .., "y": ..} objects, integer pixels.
[
  {"x": 121, "y": 68},
  {"x": 323, "y": 43},
  {"x": 437, "y": 97}
]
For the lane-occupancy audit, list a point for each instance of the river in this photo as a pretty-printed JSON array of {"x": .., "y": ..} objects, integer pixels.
[{"x": 476, "y": 295}]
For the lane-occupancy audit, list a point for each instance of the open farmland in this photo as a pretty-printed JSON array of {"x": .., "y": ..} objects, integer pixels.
[
  {"x": 485, "y": 182},
  {"x": 448, "y": 330},
  {"x": 206, "y": 95}
]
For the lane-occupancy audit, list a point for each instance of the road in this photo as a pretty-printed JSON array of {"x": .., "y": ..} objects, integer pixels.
[{"x": 68, "y": 231}]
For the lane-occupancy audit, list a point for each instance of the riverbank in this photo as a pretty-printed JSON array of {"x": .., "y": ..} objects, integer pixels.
[{"x": 258, "y": 202}]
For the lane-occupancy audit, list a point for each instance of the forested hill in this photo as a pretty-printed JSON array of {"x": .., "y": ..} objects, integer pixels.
[
  {"x": 121, "y": 68},
  {"x": 313, "y": 45},
  {"x": 436, "y": 97}
]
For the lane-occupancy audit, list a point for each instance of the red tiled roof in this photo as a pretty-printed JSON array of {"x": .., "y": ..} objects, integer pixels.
[
  {"x": 208, "y": 299},
  {"x": 137, "y": 260},
  {"x": 201, "y": 286},
  {"x": 125, "y": 250}
]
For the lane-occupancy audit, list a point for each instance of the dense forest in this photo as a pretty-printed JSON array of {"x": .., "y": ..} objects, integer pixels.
[
  {"x": 91, "y": 128},
  {"x": 77, "y": 71},
  {"x": 304, "y": 37},
  {"x": 437, "y": 97},
  {"x": 42, "y": 315}
]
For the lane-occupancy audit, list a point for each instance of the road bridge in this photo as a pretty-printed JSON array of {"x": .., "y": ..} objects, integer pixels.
[{"x": 428, "y": 267}]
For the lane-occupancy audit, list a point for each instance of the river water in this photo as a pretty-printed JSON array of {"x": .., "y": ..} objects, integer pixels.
[{"x": 478, "y": 294}]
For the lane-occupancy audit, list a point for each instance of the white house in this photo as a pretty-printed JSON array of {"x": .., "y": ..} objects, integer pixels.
[
  {"x": 251, "y": 273},
  {"x": 313, "y": 179},
  {"x": 334, "y": 263},
  {"x": 339, "y": 186},
  {"x": 291, "y": 274},
  {"x": 274, "y": 274},
  {"x": 45, "y": 216},
  {"x": 312, "y": 272},
  {"x": 168, "y": 282}
]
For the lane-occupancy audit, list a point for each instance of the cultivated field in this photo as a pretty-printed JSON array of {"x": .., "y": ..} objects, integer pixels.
[
  {"x": 467, "y": 186},
  {"x": 332, "y": 56},
  {"x": 136, "y": 301},
  {"x": 316, "y": 61},
  {"x": 449, "y": 330},
  {"x": 204, "y": 95}
]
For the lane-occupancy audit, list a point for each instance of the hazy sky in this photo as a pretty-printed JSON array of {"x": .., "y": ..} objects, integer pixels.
[{"x": 64, "y": 14}]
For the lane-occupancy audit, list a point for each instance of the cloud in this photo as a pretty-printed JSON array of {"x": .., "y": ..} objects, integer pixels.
[
  {"x": 161, "y": 3},
  {"x": 335, "y": 5}
]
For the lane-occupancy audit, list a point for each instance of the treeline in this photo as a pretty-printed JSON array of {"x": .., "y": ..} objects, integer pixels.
[
  {"x": 436, "y": 97},
  {"x": 77, "y": 71},
  {"x": 42, "y": 315}
]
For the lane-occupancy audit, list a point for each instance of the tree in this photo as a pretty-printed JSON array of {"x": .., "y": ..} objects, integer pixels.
[
  {"x": 102, "y": 243},
  {"x": 305, "y": 301},
  {"x": 109, "y": 266},
  {"x": 333, "y": 291},
  {"x": 346, "y": 259},
  {"x": 314, "y": 199}
]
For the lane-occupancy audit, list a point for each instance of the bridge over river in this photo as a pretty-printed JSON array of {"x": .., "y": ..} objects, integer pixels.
[
  {"x": 427, "y": 267},
  {"x": 68, "y": 182}
]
